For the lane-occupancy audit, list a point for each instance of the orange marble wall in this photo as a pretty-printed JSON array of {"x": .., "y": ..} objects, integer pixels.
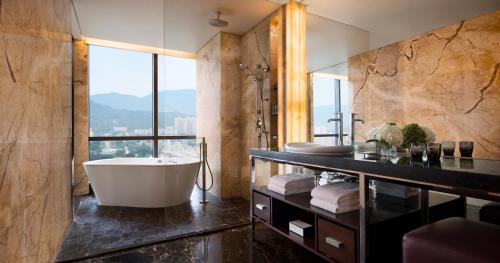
[
  {"x": 447, "y": 79},
  {"x": 35, "y": 128},
  {"x": 218, "y": 114},
  {"x": 81, "y": 117},
  {"x": 255, "y": 44}
]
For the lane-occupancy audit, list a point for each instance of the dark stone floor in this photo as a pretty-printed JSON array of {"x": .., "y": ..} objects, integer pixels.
[
  {"x": 98, "y": 230},
  {"x": 232, "y": 245}
]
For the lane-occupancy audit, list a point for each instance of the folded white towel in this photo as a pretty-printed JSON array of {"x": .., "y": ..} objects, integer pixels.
[
  {"x": 333, "y": 208},
  {"x": 287, "y": 180},
  {"x": 339, "y": 193},
  {"x": 290, "y": 191}
]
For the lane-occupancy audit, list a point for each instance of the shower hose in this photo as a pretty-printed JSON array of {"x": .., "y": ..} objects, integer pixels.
[{"x": 209, "y": 170}]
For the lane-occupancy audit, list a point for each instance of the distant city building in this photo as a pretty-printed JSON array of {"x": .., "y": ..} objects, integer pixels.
[
  {"x": 184, "y": 125},
  {"x": 120, "y": 129}
]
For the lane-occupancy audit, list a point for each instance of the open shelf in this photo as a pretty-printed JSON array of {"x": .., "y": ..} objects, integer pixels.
[{"x": 388, "y": 222}]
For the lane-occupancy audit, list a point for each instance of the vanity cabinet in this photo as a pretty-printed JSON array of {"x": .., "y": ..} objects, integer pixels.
[
  {"x": 336, "y": 242},
  {"x": 262, "y": 207},
  {"x": 336, "y": 236}
]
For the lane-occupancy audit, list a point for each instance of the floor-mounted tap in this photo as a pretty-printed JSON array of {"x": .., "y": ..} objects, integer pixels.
[
  {"x": 340, "y": 120},
  {"x": 353, "y": 125}
]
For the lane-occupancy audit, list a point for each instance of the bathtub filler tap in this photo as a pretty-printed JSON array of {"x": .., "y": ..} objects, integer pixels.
[{"x": 203, "y": 162}]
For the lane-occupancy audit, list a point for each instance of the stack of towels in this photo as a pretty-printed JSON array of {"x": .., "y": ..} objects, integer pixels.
[
  {"x": 339, "y": 197},
  {"x": 289, "y": 184},
  {"x": 395, "y": 190}
]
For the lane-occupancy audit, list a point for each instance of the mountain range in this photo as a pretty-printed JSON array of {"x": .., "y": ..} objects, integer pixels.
[
  {"x": 182, "y": 101},
  {"x": 120, "y": 110}
]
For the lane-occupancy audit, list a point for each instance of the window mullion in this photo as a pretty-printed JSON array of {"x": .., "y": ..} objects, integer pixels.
[{"x": 155, "y": 105}]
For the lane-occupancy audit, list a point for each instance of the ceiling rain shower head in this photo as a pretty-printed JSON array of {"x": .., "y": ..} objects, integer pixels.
[{"x": 217, "y": 22}]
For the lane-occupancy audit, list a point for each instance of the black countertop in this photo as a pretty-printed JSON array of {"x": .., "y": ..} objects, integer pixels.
[{"x": 471, "y": 177}]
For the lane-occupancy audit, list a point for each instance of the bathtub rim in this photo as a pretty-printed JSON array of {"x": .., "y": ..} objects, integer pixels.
[{"x": 191, "y": 161}]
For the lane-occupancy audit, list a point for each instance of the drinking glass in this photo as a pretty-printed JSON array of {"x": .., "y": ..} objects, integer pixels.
[
  {"x": 448, "y": 148},
  {"x": 466, "y": 148}
]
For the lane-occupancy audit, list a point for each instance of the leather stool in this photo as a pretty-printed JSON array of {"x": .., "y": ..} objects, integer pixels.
[
  {"x": 490, "y": 213},
  {"x": 454, "y": 240}
]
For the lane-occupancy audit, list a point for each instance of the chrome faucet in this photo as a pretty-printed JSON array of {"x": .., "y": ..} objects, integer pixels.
[
  {"x": 340, "y": 120},
  {"x": 353, "y": 125}
]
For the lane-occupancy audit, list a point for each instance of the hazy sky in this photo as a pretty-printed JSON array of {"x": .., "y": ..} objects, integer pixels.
[
  {"x": 131, "y": 72},
  {"x": 323, "y": 93}
]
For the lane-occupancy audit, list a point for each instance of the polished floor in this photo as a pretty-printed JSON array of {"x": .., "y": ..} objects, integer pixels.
[
  {"x": 98, "y": 230},
  {"x": 233, "y": 245}
]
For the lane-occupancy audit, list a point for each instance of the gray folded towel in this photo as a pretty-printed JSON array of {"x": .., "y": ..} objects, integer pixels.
[
  {"x": 291, "y": 190},
  {"x": 396, "y": 190},
  {"x": 289, "y": 180},
  {"x": 333, "y": 208},
  {"x": 338, "y": 194}
]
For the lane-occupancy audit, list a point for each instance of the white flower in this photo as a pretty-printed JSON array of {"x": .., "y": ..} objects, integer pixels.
[
  {"x": 388, "y": 133},
  {"x": 430, "y": 137},
  {"x": 372, "y": 133}
]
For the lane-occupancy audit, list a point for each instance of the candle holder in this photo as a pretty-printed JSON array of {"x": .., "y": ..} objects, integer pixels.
[
  {"x": 433, "y": 151},
  {"x": 448, "y": 148},
  {"x": 466, "y": 148}
]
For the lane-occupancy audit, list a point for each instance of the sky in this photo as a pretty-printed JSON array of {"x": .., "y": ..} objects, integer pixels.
[
  {"x": 323, "y": 93},
  {"x": 131, "y": 72}
]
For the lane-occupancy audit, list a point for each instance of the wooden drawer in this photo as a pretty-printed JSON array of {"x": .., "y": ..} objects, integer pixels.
[
  {"x": 336, "y": 242},
  {"x": 262, "y": 207}
]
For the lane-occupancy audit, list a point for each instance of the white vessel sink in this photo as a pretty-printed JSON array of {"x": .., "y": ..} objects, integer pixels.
[{"x": 318, "y": 149}]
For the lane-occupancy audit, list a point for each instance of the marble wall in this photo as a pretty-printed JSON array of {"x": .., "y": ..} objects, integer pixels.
[
  {"x": 81, "y": 120},
  {"x": 255, "y": 47},
  {"x": 447, "y": 79},
  {"x": 217, "y": 113},
  {"x": 35, "y": 128}
]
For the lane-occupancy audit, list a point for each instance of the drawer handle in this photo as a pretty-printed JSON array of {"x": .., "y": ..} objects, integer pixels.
[
  {"x": 334, "y": 242},
  {"x": 260, "y": 206}
]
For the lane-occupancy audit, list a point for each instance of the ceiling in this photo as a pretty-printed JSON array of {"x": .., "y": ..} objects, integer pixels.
[
  {"x": 337, "y": 29},
  {"x": 390, "y": 21},
  {"x": 186, "y": 21}
]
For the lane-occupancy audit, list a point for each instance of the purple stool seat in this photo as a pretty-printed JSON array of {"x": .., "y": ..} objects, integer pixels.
[{"x": 454, "y": 240}]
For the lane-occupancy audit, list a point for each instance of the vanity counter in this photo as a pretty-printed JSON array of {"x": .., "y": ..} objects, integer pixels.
[{"x": 470, "y": 177}]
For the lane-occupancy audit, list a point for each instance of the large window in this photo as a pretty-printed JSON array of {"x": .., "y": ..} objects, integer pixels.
[
  {"x": 330, "y": 95},
  {"x": 141, "y": 104}
]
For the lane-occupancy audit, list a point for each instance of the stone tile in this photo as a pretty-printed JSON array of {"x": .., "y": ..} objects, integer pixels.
[
  {"x": 233, "y": 245},
  {"x": 100, "y": 229}
]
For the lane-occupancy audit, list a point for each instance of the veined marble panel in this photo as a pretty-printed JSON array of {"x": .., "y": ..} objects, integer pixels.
[
  {"x": 447, "y": 80},
  {"x": 208, "y": 108},
  {"x": 218, "y": 110},
  {"x": 255, "y": 45},
  {"x": 35, "y": 128},
  {"x": 81, "y": 115},
  {"x": 230, "y": 116}
]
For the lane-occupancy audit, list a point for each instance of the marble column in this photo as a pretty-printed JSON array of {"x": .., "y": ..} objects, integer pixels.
[
  {"x": 35, "y": 128},
  {"x": 217, "y": 114},
  {"x": 81, "y": 117},
  {"x": 447, "y": 80}
]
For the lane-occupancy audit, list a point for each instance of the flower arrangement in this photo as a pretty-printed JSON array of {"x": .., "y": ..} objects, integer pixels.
[
  {"x": 387, "y": 134},
  {"x": 413, "y": 133}
]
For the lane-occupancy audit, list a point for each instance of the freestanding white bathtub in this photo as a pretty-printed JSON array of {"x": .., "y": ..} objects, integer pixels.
[{"x": 142, "y": 182}]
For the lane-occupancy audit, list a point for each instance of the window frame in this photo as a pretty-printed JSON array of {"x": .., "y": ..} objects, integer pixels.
[
  {"x": 155, "y": 138},
  {"x": 337, "y": 108}
]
